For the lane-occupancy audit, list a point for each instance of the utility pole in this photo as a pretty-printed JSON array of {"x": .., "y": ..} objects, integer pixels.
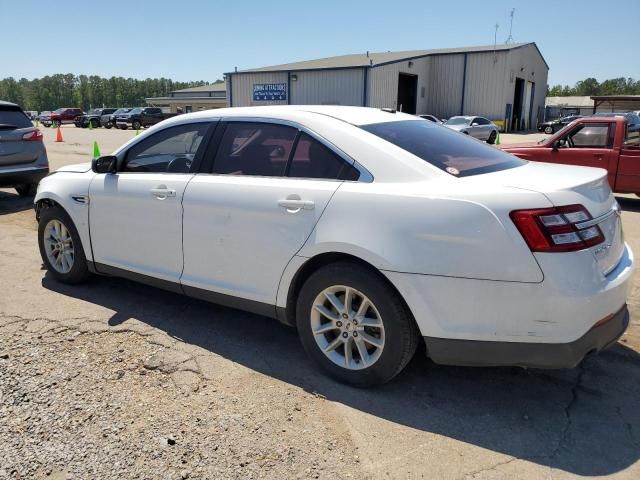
[{"x": 510, "y": 38}]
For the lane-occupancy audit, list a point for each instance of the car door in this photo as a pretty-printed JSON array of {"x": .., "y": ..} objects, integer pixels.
[
  {"x": 136, "y": 213},
  {"x": 586, "y": 144},
  {"x": 247, "y": 219},
  {"x": 476, "y": 128}
]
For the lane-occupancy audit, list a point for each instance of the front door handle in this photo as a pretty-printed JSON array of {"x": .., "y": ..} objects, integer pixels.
[
  {"x": 161, "y": 192},
  {"x": 293, "y": 203}
]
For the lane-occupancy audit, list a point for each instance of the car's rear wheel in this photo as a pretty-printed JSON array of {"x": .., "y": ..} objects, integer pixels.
[
  {"x": 94, "y": 123},
  {"x": 354, "y": 325},
  {"x": 27, "y": 189},
  {"x": 60, "y": 246},
  {"x": 107, "y": 125},
  {"x": 492, "y": 137},
  {"x": 136, "y": 125},
  {"x": 548, "y": 130}
]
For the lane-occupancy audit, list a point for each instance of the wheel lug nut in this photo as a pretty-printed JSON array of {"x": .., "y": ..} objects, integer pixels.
[
  {"x": 345, "y": 335},
  {"x": 355, "y": 322},
  {"x": 355, "y": 334},
  {"x": 338, "y": 324},
  {"x": 345, "y": 316}
]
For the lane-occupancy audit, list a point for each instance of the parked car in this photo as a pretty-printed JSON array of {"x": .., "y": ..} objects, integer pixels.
[
  {"x": 605, "y": 142},
  {"x": 62, "y": 115},
  {"x": 23, "y": 157},
  {"x": 364, "y": 228},
  {"x": 44, "y": 116},
  {"x": 141, "y": 117},
  {"x": 552, "y": 126},
  {"x": 92, "y": 117},
  {"x": 109, "y": 120},
  {"x": 431, "y": 118},
  {"x": 632, "y": 119},
  {"x": 32, "y": 114},
  {"x": 478, "y": 127}
]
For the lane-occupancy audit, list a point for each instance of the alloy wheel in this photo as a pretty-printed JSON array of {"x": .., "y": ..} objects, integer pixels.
[
  {"x": 58, "y": 245},
  {"x": 347, "y": 327}
]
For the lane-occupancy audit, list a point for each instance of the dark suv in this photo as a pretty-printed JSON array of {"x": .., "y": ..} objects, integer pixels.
[
  {"x": 63, "y": 115},
  {"x": 92, "y": 117},
  {"x": 23, "y": 158},
  {"x": 109, "y": 120}
]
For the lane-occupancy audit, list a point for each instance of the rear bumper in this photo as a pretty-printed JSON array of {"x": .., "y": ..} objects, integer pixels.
[
  {"x": 535, "y": 355},
  {"x": 18, "y": 176}
]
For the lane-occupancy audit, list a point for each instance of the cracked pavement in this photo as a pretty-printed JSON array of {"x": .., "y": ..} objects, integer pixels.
[{"x": 118, "y": 380}]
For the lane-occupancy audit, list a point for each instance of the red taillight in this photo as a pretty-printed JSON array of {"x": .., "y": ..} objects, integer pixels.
[
  {"x": 34, "y": 136},
  {"x": 556, "y": 229}
]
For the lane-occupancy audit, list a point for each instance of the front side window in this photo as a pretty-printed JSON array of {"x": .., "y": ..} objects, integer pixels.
[
  {"x": 314, "y": 160},
  {"x": 169, "y": 151},
  {"x": 458, "y": 121},
  {"x": 588, "y": 136},
  {"x": 444, "y": 148},
  {"x": 254, "y": 149}
]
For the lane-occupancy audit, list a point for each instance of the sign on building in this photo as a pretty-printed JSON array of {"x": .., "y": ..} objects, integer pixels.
[{"x": 269, "y": 91}]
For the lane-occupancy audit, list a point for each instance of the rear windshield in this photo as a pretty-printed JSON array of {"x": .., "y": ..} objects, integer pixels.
[
  {"x": 453, "y": 152},
  {"x": 11, "y": 117}
]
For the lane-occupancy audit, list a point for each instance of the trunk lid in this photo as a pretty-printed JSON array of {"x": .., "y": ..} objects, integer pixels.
[{"x": 569, "y": 185}]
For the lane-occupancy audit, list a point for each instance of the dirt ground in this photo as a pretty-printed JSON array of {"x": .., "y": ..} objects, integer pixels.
[{"x": 118, "y": 380}]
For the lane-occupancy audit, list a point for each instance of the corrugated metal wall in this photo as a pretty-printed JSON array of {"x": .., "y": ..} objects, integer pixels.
[
  {"x": 242, "y": 85},
  {"x": 383, "y": 83},
  {"x": 445, "y": 85},
  {"x": 335, "y": 87},
  {"x": 485, "y": 86},
  {"x": 526, "y": 63}
]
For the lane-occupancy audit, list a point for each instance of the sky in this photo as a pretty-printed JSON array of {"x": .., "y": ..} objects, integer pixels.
[{"x": 200, "y": 40}]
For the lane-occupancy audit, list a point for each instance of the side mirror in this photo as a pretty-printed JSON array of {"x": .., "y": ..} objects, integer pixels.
[
  {"x": 105, "y": 164},
  {"x": 562, "y": 142},
  {"x": 475, "y": 124}
]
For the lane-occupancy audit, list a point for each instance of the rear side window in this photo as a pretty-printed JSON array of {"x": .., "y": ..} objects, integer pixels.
[
  {"x": 13, "y": 117},
  {"x": 314, "y": 160},
  {"x": 455, "y": 153},
  {"x": 254, "y": 149}
]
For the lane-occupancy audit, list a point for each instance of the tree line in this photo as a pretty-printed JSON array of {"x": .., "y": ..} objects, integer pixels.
[
  {"x": 591, "y": 86},
  {"x": 82, "y": 91}
]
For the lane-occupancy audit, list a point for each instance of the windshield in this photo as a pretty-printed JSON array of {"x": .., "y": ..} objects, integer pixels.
[
  {"x": 446, "y": 149},
  {"x": 122, "y": 110},
  {"x": 95, "y": 111},
  {"x": 458, "y": 121},
  {"x": 136, "y": 110},
  {"x": 60, "y": 110}
]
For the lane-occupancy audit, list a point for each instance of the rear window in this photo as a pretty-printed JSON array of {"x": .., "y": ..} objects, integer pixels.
[
  {"x": 446, "y": 149},
  {"x": 12, "y": 117}
]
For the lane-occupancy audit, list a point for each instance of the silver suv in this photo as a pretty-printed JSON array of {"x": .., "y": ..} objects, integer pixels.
[{"x": 23, "y": 157}]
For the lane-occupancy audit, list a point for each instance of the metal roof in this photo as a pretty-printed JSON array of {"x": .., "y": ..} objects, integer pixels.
[
  {"x": 214, "y": 87},
  {"x": 575, "y": 101},
  {"x": 378, "y": 58},
  {"x": 630, "y": 98}
]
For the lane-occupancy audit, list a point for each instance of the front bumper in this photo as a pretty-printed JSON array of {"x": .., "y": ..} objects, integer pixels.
[
  {"x": 474, "y": 353},
  {"x": 20, "y": 176}
]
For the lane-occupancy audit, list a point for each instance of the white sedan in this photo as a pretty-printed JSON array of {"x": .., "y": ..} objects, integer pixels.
[{"x": 369, "y": 230}]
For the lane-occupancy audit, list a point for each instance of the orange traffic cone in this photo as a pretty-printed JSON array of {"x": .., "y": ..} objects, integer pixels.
[{"x": 59, "y": 135}]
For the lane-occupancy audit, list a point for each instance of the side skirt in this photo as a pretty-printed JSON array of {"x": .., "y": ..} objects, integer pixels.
[{"x": 252, "y": 306}]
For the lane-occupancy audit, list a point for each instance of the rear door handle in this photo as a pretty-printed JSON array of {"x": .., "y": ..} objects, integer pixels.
[
  {"x": 161, "y": 192},
  {"x": 294, "y": 203}
]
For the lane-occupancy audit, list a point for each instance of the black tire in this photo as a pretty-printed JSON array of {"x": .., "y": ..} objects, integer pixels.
[
  {"x": 108, "y": 125},
  {"x": 400, "y": 330},
  {"x": 94, "y": 123},
  {"x": 548, "y": 130},
  {"x": 79, "y": 271},
  {"x": 492, "y": 138},
  {"x": 123, "y": 127},
  {"x": 27, "y": 189},
  {"x": 136, "y": 125}
]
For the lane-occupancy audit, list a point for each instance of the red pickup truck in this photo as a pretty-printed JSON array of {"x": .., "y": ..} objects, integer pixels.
[{"x": 608, "y": 143}]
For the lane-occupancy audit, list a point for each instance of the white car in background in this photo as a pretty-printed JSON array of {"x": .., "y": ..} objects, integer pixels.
[
  {"x": 478, "y": 127},
  {"x": 369, "y": 230}
]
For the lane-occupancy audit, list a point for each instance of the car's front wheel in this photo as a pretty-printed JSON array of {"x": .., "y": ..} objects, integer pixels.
[
  {"x": 60, "y": 246},
  {"x": 136, "y": 125},
  {"x": 354, "y": 325},
  {"x": 548, "y": 130}
]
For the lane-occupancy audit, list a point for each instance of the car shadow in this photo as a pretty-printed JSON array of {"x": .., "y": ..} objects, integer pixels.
[
  {"x": 14, "y": 203},
  {"x": 584, "y": 420},
  {"x": 629, "y": 204}
]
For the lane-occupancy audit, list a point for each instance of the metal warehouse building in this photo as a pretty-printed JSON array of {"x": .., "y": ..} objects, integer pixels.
[{"x": 505, "y": 83}]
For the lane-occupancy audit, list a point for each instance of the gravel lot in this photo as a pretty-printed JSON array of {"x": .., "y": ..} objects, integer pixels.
[{"x": 114, "y": 380}]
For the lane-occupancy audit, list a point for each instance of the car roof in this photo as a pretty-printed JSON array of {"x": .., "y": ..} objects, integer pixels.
[
  {"x": 8, "y": 104},
  {"x": 354, "y": 115}
]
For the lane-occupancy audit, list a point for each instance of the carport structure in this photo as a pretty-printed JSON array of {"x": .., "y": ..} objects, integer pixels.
[{"x": 615, "y": 103}]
